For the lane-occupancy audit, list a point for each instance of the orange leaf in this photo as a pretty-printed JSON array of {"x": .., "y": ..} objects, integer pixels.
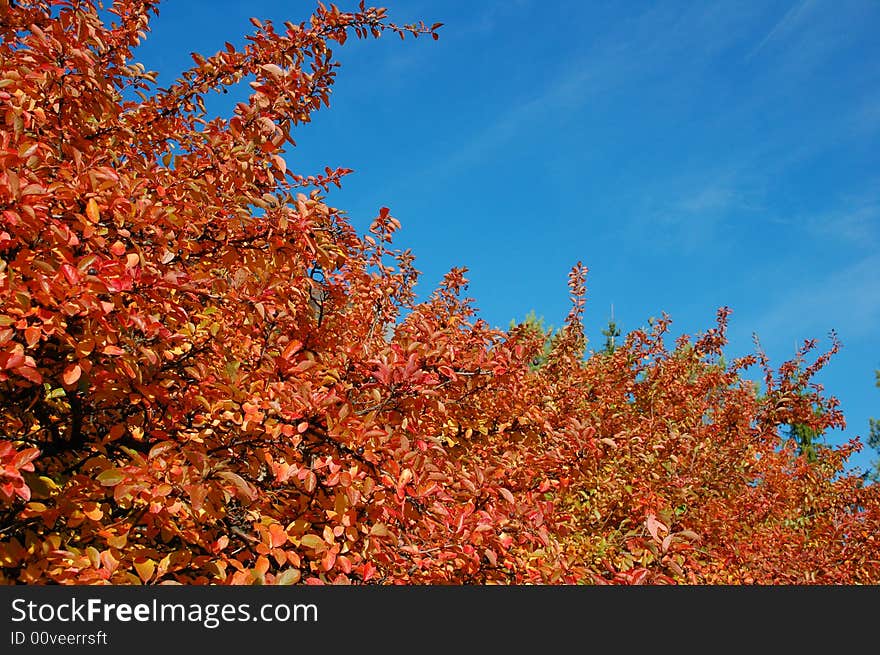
[
  {"x": 93, "y": 511},
  {"x": 32, "y": 335},
  {"x": 273, "y": 69},
  {"x": 71, "y": 374},
  {"x": 277, "y": 535},
  {"x": 92, "y": 211},
  {"x": 84, "y": 346},
  {"x": 261, "y": 566}
]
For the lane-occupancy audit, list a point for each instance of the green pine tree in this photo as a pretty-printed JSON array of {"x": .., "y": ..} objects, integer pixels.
[
  {"x": 806, "y": 438},
  {"x": 874, "y": 438},
  {"x": 533, "y": 322},
  {"x": 611, "y": 333}
]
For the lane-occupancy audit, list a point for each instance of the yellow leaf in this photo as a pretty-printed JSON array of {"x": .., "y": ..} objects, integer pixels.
[
  {"x": 40, "y": 486},
  {"x": 145, "y": 569},
  {"x": 288, "y": 576},
  {"x": 379, "y": 530},
  {"x": 117, "y": 541},
  {"x": 94, "y": 556},
  {"x": 110, "y": 477},
  {"x": 312, "y": 541}
]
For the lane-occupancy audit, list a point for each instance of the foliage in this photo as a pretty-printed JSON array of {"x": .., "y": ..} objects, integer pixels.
[{"x": 208, "y": 377}]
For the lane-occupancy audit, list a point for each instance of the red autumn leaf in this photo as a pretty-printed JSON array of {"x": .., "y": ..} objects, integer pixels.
[
  {"x": 505, "y": 493},
  {"x": 14, "y": 357},
  {"x": 70, "y": 273},
  {"x": 22, "y": 460},
  {"x": 30, "y": 373}
]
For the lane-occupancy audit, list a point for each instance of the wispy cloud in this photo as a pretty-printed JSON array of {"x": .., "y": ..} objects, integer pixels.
[
  {"x": 850, "y": 220},
  {"x": 856, "y": 225},
  {"x": 489, "y": 17},
  {"x": 566, "y": 92},
  {"x": 865, "y": 119},
  {"x": 681, "y": 212},
  {"x": 643, "y": 47},
  {"x": 792, "y": 19},
  {"x": 713, "y": 199},
  {"x": 846, "y": 300},
  {"x": 614, "y": 60},
  {"x": 811, "y": 34},
  {"x": 704, "y": 188}
]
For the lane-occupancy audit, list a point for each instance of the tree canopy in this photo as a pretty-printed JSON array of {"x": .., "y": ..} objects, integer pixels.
[{"x": 207, "y": 376}]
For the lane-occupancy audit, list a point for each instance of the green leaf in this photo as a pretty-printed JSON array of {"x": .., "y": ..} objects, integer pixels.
[{"x": 288, "y": 576}]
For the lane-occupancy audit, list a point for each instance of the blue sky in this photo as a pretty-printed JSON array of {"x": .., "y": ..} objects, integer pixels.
[{"x": 693, "y": 155}]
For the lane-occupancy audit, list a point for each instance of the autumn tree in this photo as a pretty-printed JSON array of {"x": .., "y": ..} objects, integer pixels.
[{"x": 207, "y": 376}]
